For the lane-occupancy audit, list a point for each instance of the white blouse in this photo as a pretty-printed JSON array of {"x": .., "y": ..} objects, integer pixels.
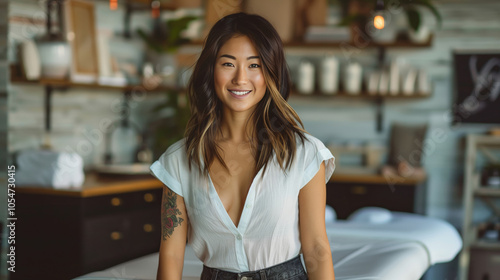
[{"x": 268, "y": 230}]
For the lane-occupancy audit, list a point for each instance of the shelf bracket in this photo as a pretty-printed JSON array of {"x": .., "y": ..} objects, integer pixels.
[
  {"x": 379, "y": 115},
  {"x": 48, "y": 107},
  {"x": 379, "y": 101},
  {"x": 48, "y": 116}
]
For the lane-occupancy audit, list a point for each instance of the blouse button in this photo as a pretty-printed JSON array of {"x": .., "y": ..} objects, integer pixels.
[
  {"x": 238, "y": 236},
  {"x": 249, "y": 205}
]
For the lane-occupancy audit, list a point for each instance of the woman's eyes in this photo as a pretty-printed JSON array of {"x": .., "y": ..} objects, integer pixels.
[{"x": 229, "y": 64}]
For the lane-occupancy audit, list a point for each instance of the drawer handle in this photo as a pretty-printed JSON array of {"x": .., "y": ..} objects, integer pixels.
[
  {"x": 148, "y": 227},
  {"x": 116, "y": 201},
  {"x": 148, "y": 197},
  {"x": 116, "y": 235},
  {"x": 359, "y": 190}
]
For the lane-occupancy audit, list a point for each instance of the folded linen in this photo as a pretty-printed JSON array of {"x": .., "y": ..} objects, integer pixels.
[{"x": 52, "y": 169}]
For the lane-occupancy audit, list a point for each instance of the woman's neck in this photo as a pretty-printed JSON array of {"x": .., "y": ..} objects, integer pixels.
[{"x": 235, "y": 129}]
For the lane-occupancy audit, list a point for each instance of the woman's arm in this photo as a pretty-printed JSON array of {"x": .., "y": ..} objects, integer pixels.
[
  {"x": 315, "y": 245},
  {"x": 174, "y": 223}
]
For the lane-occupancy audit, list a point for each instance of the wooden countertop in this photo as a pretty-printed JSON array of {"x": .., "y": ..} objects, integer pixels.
[
  {"x": 96, "y": 185},
  {"x": 372, "y": 177}
]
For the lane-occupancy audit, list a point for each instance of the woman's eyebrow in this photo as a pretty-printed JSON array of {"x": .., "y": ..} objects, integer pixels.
[{"x": 234, "y": 58}]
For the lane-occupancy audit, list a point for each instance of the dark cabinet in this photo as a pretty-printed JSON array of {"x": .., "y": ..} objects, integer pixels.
[
  {"x": 347, "y": 197},
  {"x": 61, "y": 237}
]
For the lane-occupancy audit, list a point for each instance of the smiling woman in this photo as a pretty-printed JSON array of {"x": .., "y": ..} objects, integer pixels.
[{"x": 245, "y": 167}]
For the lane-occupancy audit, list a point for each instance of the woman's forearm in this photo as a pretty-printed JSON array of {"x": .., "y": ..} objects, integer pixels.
[
  {"x": 169, "y": 268},
  {"x": 318, "y": 261}
]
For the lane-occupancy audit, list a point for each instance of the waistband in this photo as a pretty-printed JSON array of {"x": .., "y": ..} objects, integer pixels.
[{"x": 289, "y": 268}]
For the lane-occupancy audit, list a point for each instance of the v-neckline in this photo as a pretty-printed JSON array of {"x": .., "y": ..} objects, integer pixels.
[{"x": 222, "y": 210}]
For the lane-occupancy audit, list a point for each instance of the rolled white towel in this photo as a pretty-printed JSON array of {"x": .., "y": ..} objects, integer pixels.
[
  {"x": 330, "y": 214},
  {"x": 371, "y": 215},
  {"x": 50, "y": 169}
]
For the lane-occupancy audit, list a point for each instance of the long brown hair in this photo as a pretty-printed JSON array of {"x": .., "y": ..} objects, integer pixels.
[{"x": 274, "y": 120}]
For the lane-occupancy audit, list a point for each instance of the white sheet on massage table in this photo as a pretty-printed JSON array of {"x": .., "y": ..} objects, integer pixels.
[
  {"x": 354, "y": 258},
  {"x": 441, "y": 240}
]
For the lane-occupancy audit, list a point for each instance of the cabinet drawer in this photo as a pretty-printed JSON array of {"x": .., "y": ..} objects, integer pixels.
[
  {"x": 145, "y": 231},
  {"x": 105, "y": 238},
  {"x": 121, "y": 202}
]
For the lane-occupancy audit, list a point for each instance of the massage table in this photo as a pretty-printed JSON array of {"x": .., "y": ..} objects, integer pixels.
[{"x": 373, "y": 243}]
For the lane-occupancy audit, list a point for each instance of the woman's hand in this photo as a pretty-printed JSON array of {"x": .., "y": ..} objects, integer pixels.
[
  {"x": 174, "y": 224},
  {"x": 315, "y": 245}
]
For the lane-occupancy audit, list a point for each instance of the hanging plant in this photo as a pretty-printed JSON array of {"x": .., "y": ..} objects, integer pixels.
[
  {"x": 410, "y": 8},
  {"x": 166, "y": 37}
]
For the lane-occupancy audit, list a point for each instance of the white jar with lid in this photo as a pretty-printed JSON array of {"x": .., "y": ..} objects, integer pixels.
[
  {"x": 305, "y": 77},
  {"x": 329, "y": 75},
  {"x": 353, "y": 78}
]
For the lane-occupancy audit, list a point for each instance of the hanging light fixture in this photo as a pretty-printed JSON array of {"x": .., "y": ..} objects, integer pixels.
[
  {"x": 113, "y": 4},
  {"x": 378, "y": 17}
]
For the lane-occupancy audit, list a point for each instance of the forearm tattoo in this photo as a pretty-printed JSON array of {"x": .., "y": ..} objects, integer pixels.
[{"x": 170, "y": 214}]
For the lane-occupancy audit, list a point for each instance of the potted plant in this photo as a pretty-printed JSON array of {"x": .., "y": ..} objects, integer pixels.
[
  {"x": 169, "y": 127},
  {"x": 358, "y": 12},
  {"x": 163, "y": 42}
]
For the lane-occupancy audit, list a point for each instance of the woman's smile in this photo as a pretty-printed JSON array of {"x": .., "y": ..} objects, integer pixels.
[{"x": 239, "y": 93}]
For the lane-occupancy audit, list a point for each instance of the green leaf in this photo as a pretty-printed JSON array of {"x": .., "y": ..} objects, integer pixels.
[
  {"x": 410, "y": 4},
  {"x": 428, "y": 4},
  {"x": 152, "y": 44},
  {"x": 413, "y": 18}
]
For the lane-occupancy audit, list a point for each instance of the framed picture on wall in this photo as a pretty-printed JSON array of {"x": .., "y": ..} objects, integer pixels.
[
  {"x": 81, "y": 32},
  {"x": 476, "y": 86}
]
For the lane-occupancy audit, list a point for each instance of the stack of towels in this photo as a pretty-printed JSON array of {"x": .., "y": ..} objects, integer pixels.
[{"x": 51, "y": 169}]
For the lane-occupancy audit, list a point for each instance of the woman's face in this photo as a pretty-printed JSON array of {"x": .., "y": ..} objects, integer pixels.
[{"x": 238, "y": 77}]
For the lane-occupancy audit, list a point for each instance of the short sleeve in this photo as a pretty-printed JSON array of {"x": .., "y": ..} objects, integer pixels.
[
  {"x": 316, "y": 152},
  {"x": 168, "y": 168}
]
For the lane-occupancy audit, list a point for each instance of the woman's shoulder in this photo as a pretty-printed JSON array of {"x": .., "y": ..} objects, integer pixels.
[
  {"x": 309, "y": 142},
  {"x": 177, "y": 147},
  {"x": 175, "y": 152}
]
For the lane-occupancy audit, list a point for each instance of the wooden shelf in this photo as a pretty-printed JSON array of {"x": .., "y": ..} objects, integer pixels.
[
  {"x": 487, "y": 191},
  {"x": 293, "y": 94},
  {"x": 145, "y": 5},
  {"x": 361, "y": 95},
  {"x": 486, "y": 245},
  {"x": 69, "y": 84},
  {"x": 486, "y": 140}
]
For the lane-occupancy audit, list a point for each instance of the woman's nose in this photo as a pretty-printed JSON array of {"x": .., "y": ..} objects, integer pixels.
[{"x": 240, "y": 77}]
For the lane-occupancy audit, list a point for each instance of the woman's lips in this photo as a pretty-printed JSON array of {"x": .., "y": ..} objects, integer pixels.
[{"x": 239, "y": 93}]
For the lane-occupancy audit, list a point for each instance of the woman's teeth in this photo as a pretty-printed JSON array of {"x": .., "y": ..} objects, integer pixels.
[{"x": 240, "y": 92}]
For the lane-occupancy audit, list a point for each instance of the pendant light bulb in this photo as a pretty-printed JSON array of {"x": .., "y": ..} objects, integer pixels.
[
  {"x": 113, "y": 5},
  {"x": 379, "y": 22},
  {"x": 155, "y": 9}
]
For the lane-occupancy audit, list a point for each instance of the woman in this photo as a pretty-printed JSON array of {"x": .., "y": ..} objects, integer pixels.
[{"x": 234, "y": 185}]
